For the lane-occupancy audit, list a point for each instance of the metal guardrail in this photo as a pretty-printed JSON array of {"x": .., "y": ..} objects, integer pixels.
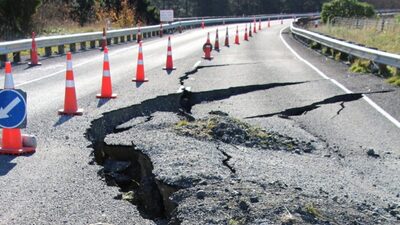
[
  {"x": 120, "y": 35},
  {"x": 379, "y": 57}
]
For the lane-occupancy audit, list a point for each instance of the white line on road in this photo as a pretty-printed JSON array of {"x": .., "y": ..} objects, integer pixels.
[{"x": 366, "y": 98}]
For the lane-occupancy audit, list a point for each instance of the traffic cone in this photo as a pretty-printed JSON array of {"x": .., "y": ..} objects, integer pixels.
[
  {"x": 104, "y": 40},
  {"x": 161, "y": 30},
  {"x": 106, "y": 86},
  {"x": 208, "y": 38},
  {"x": 34, "y": 53},
  {"x": 216, "y": 45},
  {"x": 237, "y": 36},
  {"x": 255, "y": 26},
  {"x": 169, "y": 64},
  {"x": 227, "y": 37},
  {"x": 250, "y": 32},
  {"x": 12, "y": 142},
  {"x": 70, "y": 102},
  {"x": 269, "y": 22},
  {"x": 259, "y": 25},
  {"x": 246, "y": 37},
  {"x": 140, "y": 67},
  {"x": 202, "y": 23},
  {"x": 139, "y": 35}
]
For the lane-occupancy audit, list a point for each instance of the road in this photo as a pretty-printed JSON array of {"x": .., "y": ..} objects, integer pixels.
[{"x": 261, "y": 82}]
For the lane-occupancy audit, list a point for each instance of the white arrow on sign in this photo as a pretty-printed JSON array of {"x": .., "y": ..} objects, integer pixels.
[{"x": 4, "y": 112}]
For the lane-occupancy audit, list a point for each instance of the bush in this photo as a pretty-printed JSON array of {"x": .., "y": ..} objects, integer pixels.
[
  {"x": 346, "y": 8},
  {"x": 16, "y": 17}
]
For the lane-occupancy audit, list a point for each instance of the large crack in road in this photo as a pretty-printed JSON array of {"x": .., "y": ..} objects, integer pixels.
[
  {"x": 152, "y": 196},
  {"x": 131, "y": 169}
]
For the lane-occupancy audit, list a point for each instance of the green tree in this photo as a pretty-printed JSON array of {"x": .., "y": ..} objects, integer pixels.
[
  {"x": 16, "y": 17},
  {"x": 346, "y": 8}
]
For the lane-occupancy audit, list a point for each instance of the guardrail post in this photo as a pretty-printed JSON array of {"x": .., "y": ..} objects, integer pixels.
[
  {"x": 3, "y": 60},
  {"x": 116, "y": 40},
  {"x": 122, "y": 39},
  {"x": 83, "y": 46},
  {"x": 92, "y": 44},
  {"x": 129, "y": 38},
  {"x": 61, "y": 49},
  {"x": 47, "y": 51},
  {"x": 17, "y": 57},
  {"x": 72, "y": 47},
  {"x": 383, "y": 70}
]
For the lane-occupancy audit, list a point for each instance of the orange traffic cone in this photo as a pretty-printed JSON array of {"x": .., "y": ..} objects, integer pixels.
[
  {"x": 227, "y": 37},
  {"x": 255, "y": 26},
  {"x": 208, "y": 38},
  {"x": 70, "y": 102},
  {"x": 259, "y": 25},
  {"x": 106, "y": 86},
  {"x": 34, "y": 53},
  {"x": 161, "y": 30},
  {"x": 216, "y": 45},
  {"x": 169, "y": 64},
  {"x": 104, "y": 40},
  {"x": 139, "y": 36},
  {"x": 237, "y": 36},
  {"x": 140, "y": 67},
  {"x": 11, "y": 142},
  {"x": 246, "y": 37},
  {"x": 269, "y": 22},
  {"x": 250, "y": 32}
]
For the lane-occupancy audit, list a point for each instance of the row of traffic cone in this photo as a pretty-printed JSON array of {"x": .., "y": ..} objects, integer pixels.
[
  {"x": 248, "y": 33},
  {"x": 70, "y": 101}
]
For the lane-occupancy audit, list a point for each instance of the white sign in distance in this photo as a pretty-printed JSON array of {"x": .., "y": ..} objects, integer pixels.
[{"x": 167, "y": 15}]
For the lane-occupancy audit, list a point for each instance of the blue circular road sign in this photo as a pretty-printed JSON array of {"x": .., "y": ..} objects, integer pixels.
[{"x": 12, "y": 108}]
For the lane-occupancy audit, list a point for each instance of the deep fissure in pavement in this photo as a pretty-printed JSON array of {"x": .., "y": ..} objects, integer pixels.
[
  {"x": 298, "y": 111},
  {"x": 149, "y": 194},
  {"x": 197, "y": 68}
]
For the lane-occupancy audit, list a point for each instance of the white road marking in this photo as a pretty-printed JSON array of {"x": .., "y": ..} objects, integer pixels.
[{"x": 366, "y": 98}]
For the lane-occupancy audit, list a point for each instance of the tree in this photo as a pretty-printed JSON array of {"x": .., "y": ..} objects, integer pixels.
[
  {"x": 346, "y": 8},
  {"x": 16, "y": 17}
]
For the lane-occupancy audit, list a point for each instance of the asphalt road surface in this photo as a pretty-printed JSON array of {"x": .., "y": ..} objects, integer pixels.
[{"x": 272, "y": 82}]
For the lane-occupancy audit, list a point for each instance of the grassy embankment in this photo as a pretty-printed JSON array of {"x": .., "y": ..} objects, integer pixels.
[{"x": 387, "y": 40}]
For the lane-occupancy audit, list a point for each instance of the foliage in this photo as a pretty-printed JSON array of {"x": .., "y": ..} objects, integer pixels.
[
  {"x": 15, "y": 16},
  {"x": 347, "y": 9}
]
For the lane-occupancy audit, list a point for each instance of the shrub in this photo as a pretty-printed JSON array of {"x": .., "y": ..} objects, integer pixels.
[
  {"x": 346, "y": 8},
  {"x": 16, "y": 17}
]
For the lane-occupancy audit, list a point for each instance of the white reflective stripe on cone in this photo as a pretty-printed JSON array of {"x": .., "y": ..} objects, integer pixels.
[
  {"x": 140, "y": 62},
  {"x": 106, "y": 73},
  {"x": 9, "y": 81},
  {"x": 169, "y": 53},
  {"x": 69, "y": 84},
  {"x": 106, "y": 57},
  {"x": 69, "y": 65}
]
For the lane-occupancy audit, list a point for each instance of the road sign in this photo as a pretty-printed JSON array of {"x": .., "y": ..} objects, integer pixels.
[
  {"x": 167, "y": 15},
  {"x": 12, "y": 108}
]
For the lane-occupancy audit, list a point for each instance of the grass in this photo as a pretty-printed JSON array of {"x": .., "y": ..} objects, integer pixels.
[
  {"x": 311, "y": 209},
  {"x": 388, "y": 41}
]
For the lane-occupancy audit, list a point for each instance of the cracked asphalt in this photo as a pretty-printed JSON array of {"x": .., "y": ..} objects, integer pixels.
[{"x": 260, "y": 82}]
